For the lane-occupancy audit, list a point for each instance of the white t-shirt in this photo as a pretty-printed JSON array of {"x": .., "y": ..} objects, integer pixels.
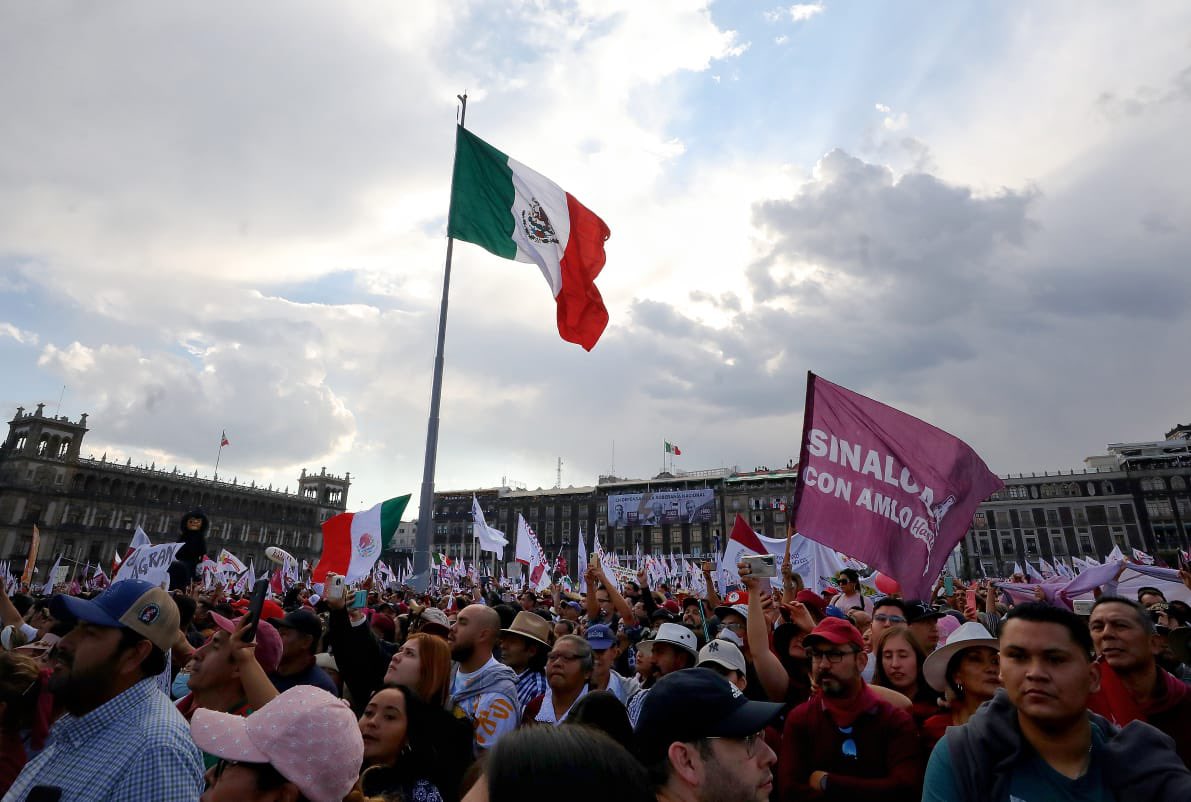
[{"x": 491, "y": 714}]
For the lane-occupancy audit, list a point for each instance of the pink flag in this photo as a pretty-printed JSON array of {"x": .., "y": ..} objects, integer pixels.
[{"x": 885, "y": 487}]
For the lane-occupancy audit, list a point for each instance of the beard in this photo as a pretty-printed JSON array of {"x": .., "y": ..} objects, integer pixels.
[
  {"x": 462, "y": 652},
  {"x": 79, "y": 688}
]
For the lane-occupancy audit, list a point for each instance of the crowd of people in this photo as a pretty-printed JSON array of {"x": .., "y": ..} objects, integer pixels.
[{"x": 480, "y": 691}]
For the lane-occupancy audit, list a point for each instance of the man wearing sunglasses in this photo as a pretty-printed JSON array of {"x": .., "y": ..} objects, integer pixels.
[
  {"x": 845, "y": 740},
  {"x": 701, "y": 739}
]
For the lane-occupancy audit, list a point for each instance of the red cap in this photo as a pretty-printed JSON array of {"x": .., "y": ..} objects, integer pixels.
[
  {"x": 672, "y": 606},
  {"x": 837, "y": 631},
  {"x": 812, "y": 599},
  {"x": 735, "y": 597},
  {"x": 828, "y": 592},
  {"x": 270, "y": 609}
]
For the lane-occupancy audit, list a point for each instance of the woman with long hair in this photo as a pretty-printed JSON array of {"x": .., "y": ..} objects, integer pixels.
[
  {"x": 412, "y": 748},
  {"x": 422, "y": 664},
  {"x": 23, "y": 716},
  {"x": 968, "y": 671},
  {"x": 900, "y": 658}
]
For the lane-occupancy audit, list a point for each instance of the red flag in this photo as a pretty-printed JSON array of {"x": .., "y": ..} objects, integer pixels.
[
  {"x": 883, "y": 486},
  {"x": 743, "y": 534},
  {"x": 275, "y": 583}
]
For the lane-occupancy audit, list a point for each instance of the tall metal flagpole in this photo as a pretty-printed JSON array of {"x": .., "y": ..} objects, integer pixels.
[{"x": 420, "y": 581}]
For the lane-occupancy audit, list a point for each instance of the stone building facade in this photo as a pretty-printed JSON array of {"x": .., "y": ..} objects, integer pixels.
[
  {"x": 87, "y": 509},
  {"x": 558, "y": 514}
]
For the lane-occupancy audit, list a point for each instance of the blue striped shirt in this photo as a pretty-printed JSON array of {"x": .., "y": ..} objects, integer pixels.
[
  {"x": 530, "y": 685},
  {"x": 132, "y": 748}
]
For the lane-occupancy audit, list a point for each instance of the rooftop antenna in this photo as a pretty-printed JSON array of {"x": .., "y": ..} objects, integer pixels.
[
  {"x": 60, "y": 395},
  {"x": 558, "y": 479}
]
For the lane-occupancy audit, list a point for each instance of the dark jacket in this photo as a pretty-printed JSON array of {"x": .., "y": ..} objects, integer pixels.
[
  {"x": 1138, "y": 761},
  {"x": 362, "y": 659},
  {"x": 194, "y": 544}
]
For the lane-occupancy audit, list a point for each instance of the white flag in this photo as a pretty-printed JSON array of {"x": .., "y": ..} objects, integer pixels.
[
  {"x": 581, "y": 561},
  {"x": 1140, "y": 556},
  {"x": 1114, "y": 556},
  {"x": 529, "y": 553},
  {"x": 492, "y": 540},
  {"x": 139, "y": 538}
]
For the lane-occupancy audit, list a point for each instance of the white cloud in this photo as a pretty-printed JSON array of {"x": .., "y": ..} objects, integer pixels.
[
  {"x": 12, "y": 332},
  {"x": 804, "y": 11}
]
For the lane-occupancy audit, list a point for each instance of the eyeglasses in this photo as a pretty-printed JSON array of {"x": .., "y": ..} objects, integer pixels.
[
  {"x": 749, "y": 741},
  {"x": 554, "y": 657},
  {"x": 843, "y": 580},
  {"x": 832, "y": 657},
  {"x": 735, "y": 626},
  {"x": 889, "y": 619}
]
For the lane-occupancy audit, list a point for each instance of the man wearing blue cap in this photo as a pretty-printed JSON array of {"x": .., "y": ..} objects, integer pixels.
[
  {"x": 121, "y": 738},
  {"x": 702, "y": 739},
  {"x": 606, "y": 649}
]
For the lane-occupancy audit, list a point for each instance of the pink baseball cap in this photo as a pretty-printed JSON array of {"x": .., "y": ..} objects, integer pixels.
[
  {"x": 268, "y": 641},
  {"x": 309, "y": 736}
]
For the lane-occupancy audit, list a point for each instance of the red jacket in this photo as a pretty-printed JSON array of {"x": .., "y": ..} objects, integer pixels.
[{"x": 887, "y": 765}]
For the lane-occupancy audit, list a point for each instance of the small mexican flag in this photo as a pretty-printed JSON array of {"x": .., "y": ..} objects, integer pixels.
[
  {"x": 673, "y": 449},
  {"x": 353, "y": 541},
  {"x": 513, "y": 212}
]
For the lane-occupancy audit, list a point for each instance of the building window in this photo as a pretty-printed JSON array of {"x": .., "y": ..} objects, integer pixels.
[
  {"x": 980, "y": 520},
  {"x": 1085, "y": 544},
  {"x": 1159, "y": 508},
  {"x": 1080, "y": 516},
  {"x": 758, "y": 518},
  {"x": 1031, "y": 545},
  {"x": 656, "y": 539},
  {"x": 1153, "y": 483},
  {"x": 1007, "y": 546}
]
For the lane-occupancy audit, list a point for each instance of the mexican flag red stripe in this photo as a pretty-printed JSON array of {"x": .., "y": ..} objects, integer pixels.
[
  {"x": 516, "y": 213},
  {"x": 353, "y": 541}
]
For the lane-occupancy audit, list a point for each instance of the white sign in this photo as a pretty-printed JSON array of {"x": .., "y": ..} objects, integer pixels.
[{"x": 150, "y": 563}]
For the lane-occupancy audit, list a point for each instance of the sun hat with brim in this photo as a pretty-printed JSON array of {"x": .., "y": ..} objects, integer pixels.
[
  {"x": 132, "y": 604},
  {"x": 309, "y": 736},
  {"x": 678, "y": 636},
  {"x": 692, "y": 704},
  {"x": 966, "y": 636},
  {"x": 530, "y": 626}
]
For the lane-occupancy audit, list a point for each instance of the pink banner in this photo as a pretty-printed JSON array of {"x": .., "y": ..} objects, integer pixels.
[{"x": 884, "y": 487}]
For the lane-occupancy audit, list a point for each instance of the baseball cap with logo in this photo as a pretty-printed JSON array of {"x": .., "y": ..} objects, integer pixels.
[
  {"x": 309, "y": 736},
  {"x": 434, "y": 619},
  {"x": 600, "y": 636},
  {"x": 918, "y": 610},
  {"x": 722, "y": 653},
  {"x": 670, "y": 714},
  {"x": 131, "y": 604}
]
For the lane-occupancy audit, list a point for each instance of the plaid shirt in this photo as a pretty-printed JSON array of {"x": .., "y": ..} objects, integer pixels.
[{"x": 132, "y": 748}]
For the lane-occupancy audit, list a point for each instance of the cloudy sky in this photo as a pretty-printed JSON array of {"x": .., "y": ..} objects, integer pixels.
[{"x": 231, "y": 216}]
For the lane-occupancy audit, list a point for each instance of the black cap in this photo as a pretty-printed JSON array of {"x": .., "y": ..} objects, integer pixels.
[
  {"x": 670, "y": 715},
  {"x": 662, "y": 614},
  {"x": 301, "y": 620},
  {"x": 918, "y": 610}
]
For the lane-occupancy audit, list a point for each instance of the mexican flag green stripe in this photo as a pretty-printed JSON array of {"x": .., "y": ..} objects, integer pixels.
[{"x": 515, "y": 213}]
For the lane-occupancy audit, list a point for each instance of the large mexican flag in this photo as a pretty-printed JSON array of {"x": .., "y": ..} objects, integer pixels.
[
  {"x": 353, "y": 541},
  {"x": 513, "y": 212}
]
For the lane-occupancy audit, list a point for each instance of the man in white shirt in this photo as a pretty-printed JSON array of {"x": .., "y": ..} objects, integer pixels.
[{"x": 485, "y": 689}]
